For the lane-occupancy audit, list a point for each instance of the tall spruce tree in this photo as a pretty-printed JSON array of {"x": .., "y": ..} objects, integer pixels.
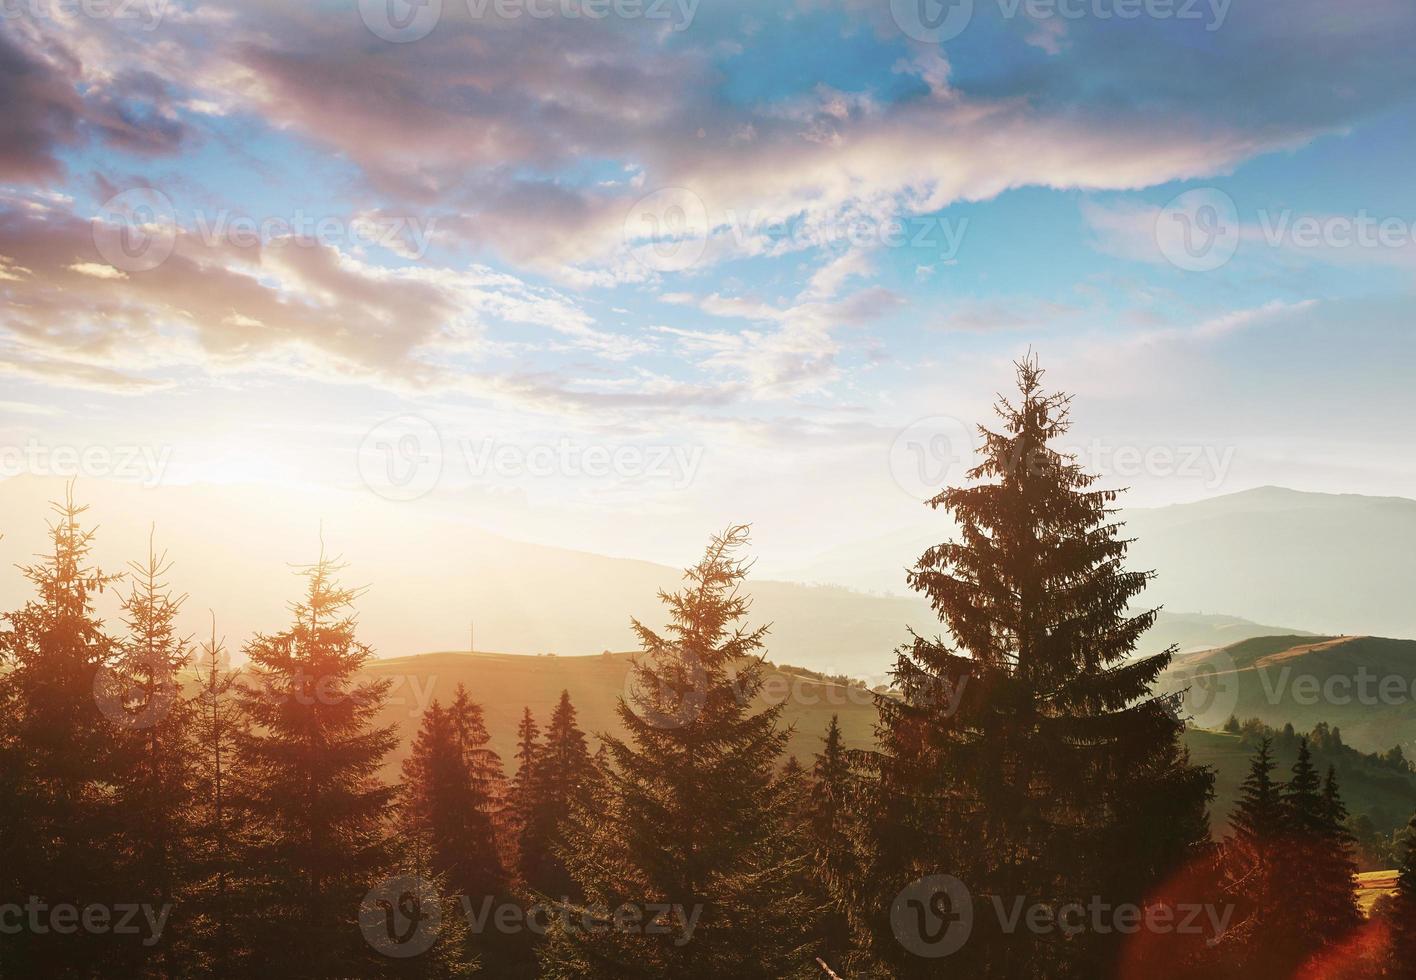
[
  {"x": 689, "y": 814},
  {"x": 313, "y": 755},
  {"x": 58, "y": 821},
  {"x": 1029, "y": 758},
  {"x": 452, "y": 785},
  {"x": 153, "y": 718},
  {"x": 560, "y": 768},
  {"x": 828, "y": 819},
  {"x": 1339, "y": 913},
  {"x": 1259, "y": 816},
  {"x": 1252, "y": 861},
  {"x": 220, "y": 835},
  {"x": 520, "y": 797},
  {"x": 453, "y": 796}
]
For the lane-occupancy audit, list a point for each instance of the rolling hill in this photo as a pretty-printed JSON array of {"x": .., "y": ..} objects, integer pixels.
[
  {"x": 505, "y": 683},
  {"x": 1365, "y": 685}
]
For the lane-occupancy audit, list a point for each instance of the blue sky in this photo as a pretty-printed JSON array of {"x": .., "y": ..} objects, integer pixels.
[{"x": 467, "y": 227}]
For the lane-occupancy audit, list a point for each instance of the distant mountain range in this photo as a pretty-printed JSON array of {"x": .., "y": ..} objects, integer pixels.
[
  {"x": 1327, "y": 563},
  {"x": 431, "y": 576}
]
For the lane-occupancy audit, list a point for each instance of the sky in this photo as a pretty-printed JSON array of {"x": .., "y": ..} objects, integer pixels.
[{"x": 615, "y": 273}]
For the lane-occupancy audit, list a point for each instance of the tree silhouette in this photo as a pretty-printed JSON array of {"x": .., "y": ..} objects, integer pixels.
[
  {"x": 59, "y": 827},
  {"x": 220, "y": 832},
  {"x": 1030, "y": 756},
  {"x": 561, "y": 766},
  {"x": 155, "y": 793},
  {"x": 313, "y": 755},
  {"x": 690, "y": 814}
]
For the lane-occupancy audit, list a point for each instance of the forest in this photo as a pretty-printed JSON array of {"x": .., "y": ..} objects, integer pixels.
[{"x": 1027, "y": 809}]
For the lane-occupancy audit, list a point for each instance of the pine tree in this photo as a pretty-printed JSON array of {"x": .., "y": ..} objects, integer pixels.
[
  {"x": 831, "y": 859},
  {"x": 452, "y": 784},
  {"x": 1253, "y": 858},
  {"x": 453, "y": 794},
  {"x": 1309, "y": 853},
  {"x": 58, "y": 822},
  {"x": 1401, "y": 960},
  {"x": 561, "y": 767},
  {"x": 690, "y": 813},
  {"x": 1259, "y": 817},
  {"x": 521, "y": 797},
  {"x": 313, "y": 756},
  {"x": 1030, "y": 757},
  {"x": 1338, "y": 899},
  {"x": 219, "y": 832},
  {"x": 156, "y": 783}
]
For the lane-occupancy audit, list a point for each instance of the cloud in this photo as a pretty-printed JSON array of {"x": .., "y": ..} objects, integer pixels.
[
  {"x": 60, "y": 89},
  {"x": 284, "y": 305}
]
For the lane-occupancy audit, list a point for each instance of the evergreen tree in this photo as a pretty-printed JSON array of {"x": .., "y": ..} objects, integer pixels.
[
  {"x": 1401, "y": 961},
  {"x": 313, "y": 756},
  {"x": 219, "y": 832},
  {"x": 1259, "y": 816},
  {"x": 1253, "y": 858},
  {"x": 828, "y": 819},
  {"x": 452, "y": 783},
  {"x": 58, "y": 822},
  {"x": 1336, "y": 900},
  {"x": 561, "y": 767},
  {"x": 689, "y": 813},
  {"x": 155, "y": 794},
  {"x": 453, "y": 792},
  {"x": 1029, "y": 758},
  {"x": 521, "y": 797}
]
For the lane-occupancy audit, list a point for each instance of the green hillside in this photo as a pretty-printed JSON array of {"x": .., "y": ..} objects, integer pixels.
[
  {"x": 1381, "y": 790},
  {"x": 1364, "y": 685}
]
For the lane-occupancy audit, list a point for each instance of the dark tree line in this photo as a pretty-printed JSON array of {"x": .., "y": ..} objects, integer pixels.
[{"x": 1022, "y": 760}]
